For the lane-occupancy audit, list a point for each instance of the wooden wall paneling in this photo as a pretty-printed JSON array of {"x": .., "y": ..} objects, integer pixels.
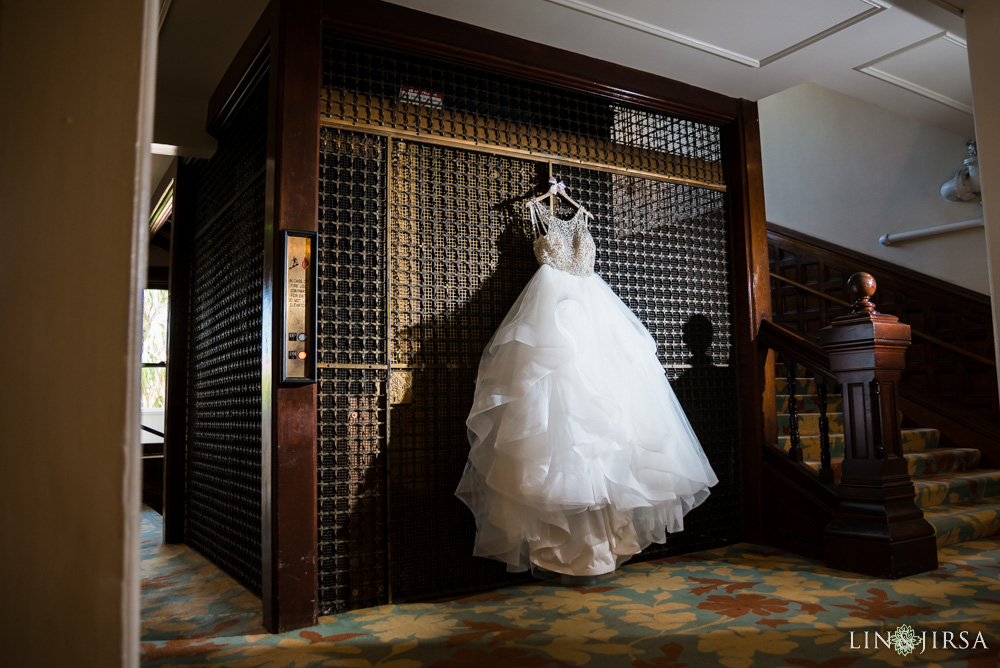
[
  {"x": 952, "y": 314},
  {"x": 752, "y": 304},
  {"x": 289, "y": 509},
  {"x": 797, "y": 507},
  {"x": 175, "y": 425}
]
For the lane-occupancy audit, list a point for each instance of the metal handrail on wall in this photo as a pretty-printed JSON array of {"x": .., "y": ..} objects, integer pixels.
[{"x": 890, "y": 239}]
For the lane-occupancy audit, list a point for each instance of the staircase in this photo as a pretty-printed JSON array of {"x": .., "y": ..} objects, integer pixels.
[{"x": 959, "y": 499}]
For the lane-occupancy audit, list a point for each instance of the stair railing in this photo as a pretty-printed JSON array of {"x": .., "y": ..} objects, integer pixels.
[
  {"x": 796, "y": 350},
  {"x": 876, "y": 528},
  {"x": 926, "y": 337},
  {"x": 947, "y": 383}
]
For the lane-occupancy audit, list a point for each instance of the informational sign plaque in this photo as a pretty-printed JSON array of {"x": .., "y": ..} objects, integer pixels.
[{"x": 299, "y": 300}]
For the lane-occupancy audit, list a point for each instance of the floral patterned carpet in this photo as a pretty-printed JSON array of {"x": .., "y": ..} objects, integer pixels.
[{"x": 741, "y": 605}]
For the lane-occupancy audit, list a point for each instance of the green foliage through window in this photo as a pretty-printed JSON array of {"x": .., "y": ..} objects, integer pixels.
[{"x": 154, "y": 347}]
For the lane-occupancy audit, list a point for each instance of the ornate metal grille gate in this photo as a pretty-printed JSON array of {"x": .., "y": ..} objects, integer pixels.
[
  {"x": 223, "y": 516},
  {"x": 353, "y": 371},
  {"x": 424, "y": 247}
]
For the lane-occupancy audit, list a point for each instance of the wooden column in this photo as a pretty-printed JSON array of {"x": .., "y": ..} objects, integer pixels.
[
  {"x": 752, "y": 296},
  {"x": 878, "y": 528},
  {"x": 288, "y": 429}
]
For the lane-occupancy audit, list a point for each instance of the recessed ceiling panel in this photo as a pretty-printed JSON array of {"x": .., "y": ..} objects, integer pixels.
[
  {"x": 936, "y": 68},
  {"x": 753, "y": 32}
]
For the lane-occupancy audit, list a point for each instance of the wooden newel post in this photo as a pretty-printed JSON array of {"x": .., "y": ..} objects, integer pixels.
[{"x": 878, "y": 528}]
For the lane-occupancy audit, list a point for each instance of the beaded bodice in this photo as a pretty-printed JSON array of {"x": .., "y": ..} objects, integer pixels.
[{"x": 563, "y": 244}]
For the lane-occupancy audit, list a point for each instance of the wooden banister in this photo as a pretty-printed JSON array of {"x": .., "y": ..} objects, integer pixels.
[
  {"x": 952, "y": 356},
  {"x": 802, "y": 349},
  {"x": 926, "y": 337},
  {"x": 877, "y": 528}
]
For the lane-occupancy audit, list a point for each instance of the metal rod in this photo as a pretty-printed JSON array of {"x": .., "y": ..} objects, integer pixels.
[
  {"x": 514, "y": 152},
  {"x": 890, "y": 239},
  {"x": 814, "y": 291},
  {"x": 387, "y": 258},
  {"x": 151, "y": 430},
  {"x": 920, "y": 335}
]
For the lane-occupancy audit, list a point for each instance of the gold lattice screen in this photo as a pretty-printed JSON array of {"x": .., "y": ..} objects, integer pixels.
[{"x": 425, "y": 168}]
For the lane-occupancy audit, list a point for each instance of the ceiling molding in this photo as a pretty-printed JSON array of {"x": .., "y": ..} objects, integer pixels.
[
  {"x": 875, "y": 7},
  {"x": 954, "y": 9},
  {"x": 871, "y": 70}
]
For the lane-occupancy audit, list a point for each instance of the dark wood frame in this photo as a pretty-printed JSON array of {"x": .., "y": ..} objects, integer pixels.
[
  {"x": 288, "y": 41},
  {"x": 285, "y": 43},
  {"x": 444, "y": 38},
  {"x": 751, "y": 279},
  {"x": 288, "y": 429}
]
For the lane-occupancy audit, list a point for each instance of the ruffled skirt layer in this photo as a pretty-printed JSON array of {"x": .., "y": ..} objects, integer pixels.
[{"x": 581, "y": 454}]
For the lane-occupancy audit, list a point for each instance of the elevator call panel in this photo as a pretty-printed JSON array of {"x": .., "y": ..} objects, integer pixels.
[{"x": 299, "y": 299}]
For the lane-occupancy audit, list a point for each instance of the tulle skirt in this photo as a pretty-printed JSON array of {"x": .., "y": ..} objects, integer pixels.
[{"x": 581, "y": 455}]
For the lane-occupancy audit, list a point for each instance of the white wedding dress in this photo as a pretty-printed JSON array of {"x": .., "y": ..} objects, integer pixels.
[{"x": 581, "y": 454}]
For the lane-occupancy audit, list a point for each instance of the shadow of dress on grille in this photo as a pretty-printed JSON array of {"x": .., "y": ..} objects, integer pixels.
[{"x": 429, "y": 443}]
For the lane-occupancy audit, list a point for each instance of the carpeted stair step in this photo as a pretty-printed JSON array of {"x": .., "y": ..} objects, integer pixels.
[
  {"x": 809, "y": 423},
  {"x": 957, "y": 523},
  {"x": 954, "y": 488},
  {"x": 960, "y": 500},
  {"x": 942, "y": 461},
  {"x": 914, "y": 440},
  {"x": 919, "y": 440},
  {"x": 803, "y": 386},
  {"x": 809, "y": 403},
  {"x": 922, "y": 464},
  {"x": 810, "y": 445},
  {"x": 800, "y": 371}
]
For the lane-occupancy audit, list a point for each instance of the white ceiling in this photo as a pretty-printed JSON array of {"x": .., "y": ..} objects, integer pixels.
[{"x": 905, "y": 55}]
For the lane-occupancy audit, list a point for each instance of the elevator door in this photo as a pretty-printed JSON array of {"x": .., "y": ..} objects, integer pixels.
[{"x": 424, "y": 247}]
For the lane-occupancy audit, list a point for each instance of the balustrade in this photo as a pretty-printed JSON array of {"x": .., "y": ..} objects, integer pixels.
[{"x": 876, "y": 528}]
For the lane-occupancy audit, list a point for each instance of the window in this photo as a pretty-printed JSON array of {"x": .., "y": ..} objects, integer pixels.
[{"x": 154, "y": 348}]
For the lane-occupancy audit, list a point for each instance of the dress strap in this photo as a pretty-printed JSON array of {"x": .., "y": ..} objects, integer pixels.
[{"x": 538, "y": 225}]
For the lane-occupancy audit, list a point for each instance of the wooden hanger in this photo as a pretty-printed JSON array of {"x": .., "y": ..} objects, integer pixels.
[{"x": 559, "y": 188}]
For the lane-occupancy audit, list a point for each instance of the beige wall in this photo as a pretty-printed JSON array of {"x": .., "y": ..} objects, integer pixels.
[
  {"x": 74, "y": 130},
  {"x": 847, "y": 171},
  {"x": 982, "y": 23}
]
